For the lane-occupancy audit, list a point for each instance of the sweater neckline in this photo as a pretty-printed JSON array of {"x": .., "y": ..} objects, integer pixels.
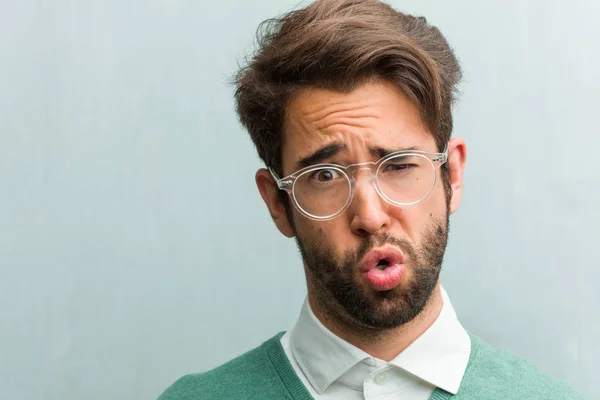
[{"x": 296, "y": 388}]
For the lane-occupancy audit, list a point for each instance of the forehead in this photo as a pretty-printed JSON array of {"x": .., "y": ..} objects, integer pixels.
[{"x": 376, "y": 114}]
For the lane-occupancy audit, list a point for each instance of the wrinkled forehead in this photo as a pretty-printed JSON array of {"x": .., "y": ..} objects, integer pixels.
[{"x": 351, "y": 127}]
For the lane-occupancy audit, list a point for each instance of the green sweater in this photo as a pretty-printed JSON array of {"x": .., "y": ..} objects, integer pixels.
[{"x": 265, "y": 373}]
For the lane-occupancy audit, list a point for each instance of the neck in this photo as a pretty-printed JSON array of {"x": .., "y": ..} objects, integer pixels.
[{"x": 383, "y": 344}]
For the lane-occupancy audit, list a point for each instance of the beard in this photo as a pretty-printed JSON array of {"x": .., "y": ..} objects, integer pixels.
[{"x": 346, "y": 299}]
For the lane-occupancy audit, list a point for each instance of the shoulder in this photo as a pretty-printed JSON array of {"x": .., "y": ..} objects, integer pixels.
[
  {"x": 499, "y": 372},
  {"x": 249, "y": 376}
]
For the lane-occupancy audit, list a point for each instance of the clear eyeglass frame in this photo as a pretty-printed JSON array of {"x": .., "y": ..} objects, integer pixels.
[{"x": 288, "y": 183}]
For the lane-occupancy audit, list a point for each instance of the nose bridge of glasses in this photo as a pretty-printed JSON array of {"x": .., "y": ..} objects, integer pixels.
[
  {"x": 370, "y": 175},
  {"x": 353, "y": 169}
]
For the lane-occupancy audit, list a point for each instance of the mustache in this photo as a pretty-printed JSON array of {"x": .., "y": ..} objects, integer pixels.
[{"x": 370, "y": 242}]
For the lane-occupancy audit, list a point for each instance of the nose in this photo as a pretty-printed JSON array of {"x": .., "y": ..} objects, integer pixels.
[{"x": 368, "y": 211}]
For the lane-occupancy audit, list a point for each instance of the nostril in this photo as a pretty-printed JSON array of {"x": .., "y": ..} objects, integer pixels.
[{"x": 362, "y": 232}]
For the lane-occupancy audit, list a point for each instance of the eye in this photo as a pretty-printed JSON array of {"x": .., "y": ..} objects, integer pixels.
[
  {"x": 325, "y": 175},
  {"x": 398, "y": 166}
]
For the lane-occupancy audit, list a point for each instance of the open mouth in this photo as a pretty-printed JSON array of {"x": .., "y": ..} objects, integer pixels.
[
  {"x": 381, "y": 259},
  {"x": 382, "y": 264},
  {"x": 383, "y": 268}
]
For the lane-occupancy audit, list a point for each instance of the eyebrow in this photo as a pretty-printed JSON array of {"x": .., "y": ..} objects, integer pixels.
[
  {"x": 333, "y": 149},
  {"x": 320, "y": 155},
  {"x": 381, "y": 152}
]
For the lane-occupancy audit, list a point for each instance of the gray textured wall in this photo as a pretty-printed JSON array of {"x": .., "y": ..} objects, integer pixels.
[{"x": 134, "y": 246}]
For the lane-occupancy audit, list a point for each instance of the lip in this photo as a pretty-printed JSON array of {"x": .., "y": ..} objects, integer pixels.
[
  {"x": 387, "y": 278},
  {"x": 390, "y": 254}
]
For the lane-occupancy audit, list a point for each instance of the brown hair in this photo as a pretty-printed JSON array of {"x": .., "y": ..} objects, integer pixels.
[{"x": 338, "y": 45}]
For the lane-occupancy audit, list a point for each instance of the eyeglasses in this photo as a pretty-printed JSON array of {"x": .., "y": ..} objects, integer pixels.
[{"x": 323, "y": 191}]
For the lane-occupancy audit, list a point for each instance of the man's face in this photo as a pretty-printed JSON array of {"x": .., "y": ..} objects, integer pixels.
[{"x": 340, "y": 253}]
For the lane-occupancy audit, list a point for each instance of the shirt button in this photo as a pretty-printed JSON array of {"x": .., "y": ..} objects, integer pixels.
[{"x": 381, "y": 378}]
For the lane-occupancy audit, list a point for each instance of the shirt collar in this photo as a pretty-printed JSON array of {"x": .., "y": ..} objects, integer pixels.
[
  {"x": 321, "y": 355},
  {"x": 439, "y": 356}
]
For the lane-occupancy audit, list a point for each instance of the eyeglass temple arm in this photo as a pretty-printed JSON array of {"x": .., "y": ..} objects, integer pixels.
[
  {"x": 443, "y": 157},
  {"x": 281, "y": 184}
]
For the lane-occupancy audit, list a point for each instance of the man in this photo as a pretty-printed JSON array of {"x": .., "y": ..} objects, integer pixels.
[{"x": 349, "y": 106}]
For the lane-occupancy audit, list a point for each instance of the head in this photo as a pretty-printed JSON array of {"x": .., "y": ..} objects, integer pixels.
[{"x": 346, "y": 82}]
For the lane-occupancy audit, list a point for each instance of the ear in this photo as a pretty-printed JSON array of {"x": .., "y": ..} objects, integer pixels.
[
  {"x": 457, "y": 157},
  {"x": 269, "y": 193}
]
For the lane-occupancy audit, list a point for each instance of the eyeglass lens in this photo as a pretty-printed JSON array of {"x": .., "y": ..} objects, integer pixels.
[{"x": 403, "y": 180}]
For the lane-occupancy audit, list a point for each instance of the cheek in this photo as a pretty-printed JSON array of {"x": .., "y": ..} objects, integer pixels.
[
  {"x": 307, "y": 230},
  {"x": 332, "y": 235},
  {"x": 413, "y": 221},
  {"x": 435, "y": 204}
]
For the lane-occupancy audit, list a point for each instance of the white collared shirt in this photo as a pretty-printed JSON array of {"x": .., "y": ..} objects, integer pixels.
[{"x": 332, "y": 368}]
